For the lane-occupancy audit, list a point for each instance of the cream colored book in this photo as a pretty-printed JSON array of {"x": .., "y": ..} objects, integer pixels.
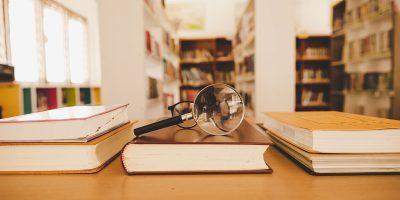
[
  {"x": 335, "y": 132},
  {"x": 324, "y": 163},
  {"x": 67, "y": 157}
]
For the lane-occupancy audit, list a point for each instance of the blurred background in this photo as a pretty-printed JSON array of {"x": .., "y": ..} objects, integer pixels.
[{"x": 286, "y": 55}]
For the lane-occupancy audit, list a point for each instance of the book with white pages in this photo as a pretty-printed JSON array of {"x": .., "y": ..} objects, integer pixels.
[{"x": 68, "y": 124}]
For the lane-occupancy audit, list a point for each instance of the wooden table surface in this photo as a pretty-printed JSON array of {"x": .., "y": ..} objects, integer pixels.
[{"x": 288, "y": 181}]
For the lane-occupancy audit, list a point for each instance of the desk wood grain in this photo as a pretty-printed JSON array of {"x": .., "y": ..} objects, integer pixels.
[{"x": 288, "y": 181}]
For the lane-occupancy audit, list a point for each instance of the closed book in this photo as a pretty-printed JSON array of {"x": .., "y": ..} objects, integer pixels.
[
  {"x": 192, "y": 151},
  {"x": 58, "y": 158},
  {"x": 345, "y": 163},
  {"x": 335, "y": 132},
  {"x": 69, "y": 124}
]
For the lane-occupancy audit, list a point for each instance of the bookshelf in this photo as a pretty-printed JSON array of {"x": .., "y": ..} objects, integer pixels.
[
  {"x": 204, "y": 61},
  {"x": 22, "y": 98},
  {"x": 312, "y": 72},
  {"x": 244, "y": 57},
  {"x": 161, "y": 59},
  {"x": 364, "y": 69}
]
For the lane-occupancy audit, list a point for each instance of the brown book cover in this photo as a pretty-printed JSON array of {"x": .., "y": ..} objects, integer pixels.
[{"x": 246, "y": 134}]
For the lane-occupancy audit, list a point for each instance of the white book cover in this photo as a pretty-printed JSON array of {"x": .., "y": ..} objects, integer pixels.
[{"x": 68, "y": 124}]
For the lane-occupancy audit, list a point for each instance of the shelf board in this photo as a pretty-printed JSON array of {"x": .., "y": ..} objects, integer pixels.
[
  {"x": 321, "y": 59},
  {"x": 224, "y": 59},
  {"x": 338, "y": 63},
  {"x": 370, "y": 93},
  {"x": 320, "y": 82},
  {"x": 194, "y": 62}
]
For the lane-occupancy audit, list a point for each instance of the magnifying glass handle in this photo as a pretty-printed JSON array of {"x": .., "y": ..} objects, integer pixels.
[{"x": 158, "y": 125}]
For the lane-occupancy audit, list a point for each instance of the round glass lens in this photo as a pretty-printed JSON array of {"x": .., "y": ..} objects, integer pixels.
[
  {"x": 218, "y": 109},
  {"x": 183, "y": 108}
]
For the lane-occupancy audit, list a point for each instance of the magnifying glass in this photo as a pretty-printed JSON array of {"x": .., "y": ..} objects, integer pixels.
[{"x": 218, "y": 109}]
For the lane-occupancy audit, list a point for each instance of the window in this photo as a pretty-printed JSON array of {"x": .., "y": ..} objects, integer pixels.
[
  {"x": 54, "y": 45},
  {"x": 77, "y": 51},
  {"x": 48, "y": 42},
  {"x": 23, "y": 40}
]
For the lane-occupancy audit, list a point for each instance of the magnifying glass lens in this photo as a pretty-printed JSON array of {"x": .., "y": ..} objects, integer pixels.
[{"x": 218, "y": 109}]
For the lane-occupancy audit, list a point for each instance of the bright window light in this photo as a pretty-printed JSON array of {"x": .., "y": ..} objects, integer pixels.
[
  {"x": 53, "y": 26},
  {"x": 77, "y": 51},
  {"x": 23, "y": 40}
]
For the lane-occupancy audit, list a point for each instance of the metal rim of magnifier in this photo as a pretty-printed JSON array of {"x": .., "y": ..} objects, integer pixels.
[{"x": 225, "y": 85}]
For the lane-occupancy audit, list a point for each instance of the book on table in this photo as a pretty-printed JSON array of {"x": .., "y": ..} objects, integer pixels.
[
  {"x": 335, "y": 132},
  {"x": 334, "y": 142},
  {"x": 192, "y": 151},
  {"x": 63, "y": 157},
  {"x": 69, "y": 124}
]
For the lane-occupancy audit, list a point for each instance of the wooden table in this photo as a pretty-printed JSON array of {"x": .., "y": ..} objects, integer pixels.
[{"x": 288, "y": 181}]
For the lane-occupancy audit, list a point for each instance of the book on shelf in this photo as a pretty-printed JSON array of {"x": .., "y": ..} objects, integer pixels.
[
  {"x": 374, "y": 83},
  {"x": 197, "y": 55},
  {"x": 192, "y": 151},
  {"x": 64, "y": 157},
  {"x": 196, "y": 77},
  {"x": 315, "y": 52},
  {"x": 310, "y": 98},
  {"x": 68, "y": 124},
  {"x": 322, "y": 164},
  {"x": 225, "y": 76},
  {"x": 6, "y": 73},
  {"x": 189, "y": 94},
  {"x": 315, "y": 75},
  {"x": 368, "y": 10},
  {"x": 375, "y": 44},
  {"x": 335, "y": 132},
  {"x": 154, "y": 88}
]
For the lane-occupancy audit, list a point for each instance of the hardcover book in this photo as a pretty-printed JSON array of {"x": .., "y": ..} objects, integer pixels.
[{"x": 192, "y": 151}]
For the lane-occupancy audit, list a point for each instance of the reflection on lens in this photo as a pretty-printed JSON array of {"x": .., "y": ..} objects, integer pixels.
[
  {"x": 183, "y": 108},
  {"x": 218, "y": 109}
]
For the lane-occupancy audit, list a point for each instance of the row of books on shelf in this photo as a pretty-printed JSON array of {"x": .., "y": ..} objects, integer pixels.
[
  {"x": 247, "y": 65},
  {"x": 225, "y": 76},
  {"x": 374, "y": 44},
  {"x": 314, "y": 52},
  {"x": 312, "y": 97},
  {"x": 367, "y": 10},
  {"x": 196, "y": 77},
  {"x": 375, "y": 83},
  {"x": 197, "y": 55},
  {"x": 312, "y": 75},
  {"x": 153, "y": 47}
]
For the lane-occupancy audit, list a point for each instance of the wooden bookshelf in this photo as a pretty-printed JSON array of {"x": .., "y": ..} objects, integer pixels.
[
  {"x": 28, "y": 98},
  {"x": 204, "y": 61},
  {"x": 161, "y": 59},
  {"x": 312, "y": 72},
  {"x": 364, "y": 73},
  {"x": 244, "y": 57}
]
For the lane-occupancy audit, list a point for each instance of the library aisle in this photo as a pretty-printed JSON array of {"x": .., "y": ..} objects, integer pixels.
[{"x": 291, "y": 55}]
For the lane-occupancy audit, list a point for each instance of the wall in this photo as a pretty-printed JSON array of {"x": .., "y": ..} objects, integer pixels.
[
  {"x": 313, "y": 16},
  {"x": 275, "y": 55},
  {"x": 88, "y": 9},
  {"x": 219, "y": 19},
  {"x": 122, "y": 54}
]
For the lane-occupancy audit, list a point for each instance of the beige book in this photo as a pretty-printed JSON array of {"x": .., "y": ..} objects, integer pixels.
[{"x": 335, "y": 132}]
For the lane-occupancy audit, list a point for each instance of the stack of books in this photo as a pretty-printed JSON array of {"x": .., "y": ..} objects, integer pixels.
[
  {"x": 192, "y": 151},
  {"x": 80, "y": 139},
  {"x": 337, "y": 143}
]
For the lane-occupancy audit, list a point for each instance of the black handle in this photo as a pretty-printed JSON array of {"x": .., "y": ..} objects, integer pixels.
[{"x": 157, "y": 125}]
